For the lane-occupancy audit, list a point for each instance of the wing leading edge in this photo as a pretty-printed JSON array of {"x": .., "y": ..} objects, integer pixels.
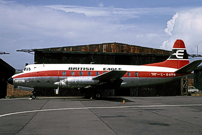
[{"x": 110, "y": 76}]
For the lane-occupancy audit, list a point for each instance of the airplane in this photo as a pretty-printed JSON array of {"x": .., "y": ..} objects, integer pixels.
[{"x": 92, "y": 79}]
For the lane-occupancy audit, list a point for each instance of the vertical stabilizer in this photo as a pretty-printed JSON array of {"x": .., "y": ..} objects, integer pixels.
[{"x": 178, "y": 57}]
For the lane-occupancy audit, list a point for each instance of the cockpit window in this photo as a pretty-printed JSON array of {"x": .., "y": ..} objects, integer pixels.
[{"x": 27, "y": 69}]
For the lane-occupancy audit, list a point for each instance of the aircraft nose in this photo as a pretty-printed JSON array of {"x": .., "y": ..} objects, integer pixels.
[{"x": 10, "y": 80}]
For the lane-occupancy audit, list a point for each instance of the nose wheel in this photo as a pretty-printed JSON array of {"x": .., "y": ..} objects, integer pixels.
[{"x": 33, "y": 96}]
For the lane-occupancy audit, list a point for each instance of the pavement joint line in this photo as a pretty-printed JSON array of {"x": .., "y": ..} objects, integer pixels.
[
  {"x": 87, "y": 108},
  {"x": 32, "y": 117}
]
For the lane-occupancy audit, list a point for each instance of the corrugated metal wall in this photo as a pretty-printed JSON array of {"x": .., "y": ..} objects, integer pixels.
[
  {"x": 106, "y": 53},
  {"x": 198, "y": 78}
]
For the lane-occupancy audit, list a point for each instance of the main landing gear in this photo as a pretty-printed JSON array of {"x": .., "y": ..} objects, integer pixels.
[
  {"x": 98, "y": 95},
  {"x": 92, "y": 93}
]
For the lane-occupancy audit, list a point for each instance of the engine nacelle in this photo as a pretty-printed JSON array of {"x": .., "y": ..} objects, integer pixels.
[{"x": 76, "y": 82}]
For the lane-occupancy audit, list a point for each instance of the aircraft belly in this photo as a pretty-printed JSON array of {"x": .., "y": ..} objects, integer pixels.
[
  {"x": 48, "y": 82},
  {"x": 140, "y": 81},
  {"x": 45, "y": 82}
]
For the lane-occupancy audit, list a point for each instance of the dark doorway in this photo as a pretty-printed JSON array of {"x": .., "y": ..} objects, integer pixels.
[{"x": 122, "y": 60}]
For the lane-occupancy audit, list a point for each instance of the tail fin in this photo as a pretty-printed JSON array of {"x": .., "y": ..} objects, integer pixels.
[{"x": 178, "y": 57}]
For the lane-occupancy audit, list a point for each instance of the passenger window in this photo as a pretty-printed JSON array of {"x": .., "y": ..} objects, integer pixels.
[
  {"x": 129, "y": 74},
  {"x": 72, "y": 73},
  {"x": 80, "y": 73},
  {"x": 97, "y": 73},
  {"x": 89, "y": 73},
  {"x": 63, "y": 73},
  {"x": 136, "y": 74}
]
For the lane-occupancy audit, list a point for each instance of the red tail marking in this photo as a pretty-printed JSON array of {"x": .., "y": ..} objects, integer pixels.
[
  {"x": 173, "y": 63},
  {"x": 179, "y": 44}
]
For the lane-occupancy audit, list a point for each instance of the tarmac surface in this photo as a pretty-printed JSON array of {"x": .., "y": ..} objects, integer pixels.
[{"x": 109, "y": 116}]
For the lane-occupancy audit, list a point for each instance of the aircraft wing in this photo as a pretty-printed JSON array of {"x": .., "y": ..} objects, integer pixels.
[
  {"x": 189, "y": 67},
  {"x": 110, "y": 76}
]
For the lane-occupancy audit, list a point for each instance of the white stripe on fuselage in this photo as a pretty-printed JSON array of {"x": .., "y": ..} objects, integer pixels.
[{"x": 98, "y": 67}]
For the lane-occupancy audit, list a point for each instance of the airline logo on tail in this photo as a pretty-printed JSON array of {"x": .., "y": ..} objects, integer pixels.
[
  {"x": 179, "y": 54},
  {"x": 179, "y": 51}
]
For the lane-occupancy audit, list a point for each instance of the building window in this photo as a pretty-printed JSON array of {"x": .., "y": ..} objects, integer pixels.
[
  {"x": 97, "y": 73},
  {"x": 80, "y": 73},
  {"x": 72, "y": 73},
  {"x": 63, "y": 73},
  {"x": 128, "y": 73},
  {"x": 89, "y": 73}
]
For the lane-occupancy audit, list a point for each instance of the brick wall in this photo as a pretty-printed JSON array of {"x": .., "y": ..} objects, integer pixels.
[{"x": 11, "y": 92}]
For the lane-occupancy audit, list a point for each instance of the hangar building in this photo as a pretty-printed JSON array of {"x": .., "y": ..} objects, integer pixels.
[
  {"x": 6, "y": 72},
  {"x": 198, "y": 78},
  {"x": 109, "y": 53}
]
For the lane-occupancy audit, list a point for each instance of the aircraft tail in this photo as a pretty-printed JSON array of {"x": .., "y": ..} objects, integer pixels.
[{"x": 178, "y": 57}]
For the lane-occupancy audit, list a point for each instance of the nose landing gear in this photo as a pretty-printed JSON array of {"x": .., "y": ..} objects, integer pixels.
[{"x": 33, "y": 96}]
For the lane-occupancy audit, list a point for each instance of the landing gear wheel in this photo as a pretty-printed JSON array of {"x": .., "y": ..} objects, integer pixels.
[
  {"x": 98, "y": 95},
  {"x": 33, "y": 96}
]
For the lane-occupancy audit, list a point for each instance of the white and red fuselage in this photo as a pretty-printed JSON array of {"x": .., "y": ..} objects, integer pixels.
[
  {"x": 81, "y": 75},
  {"x": 87, "y": 75}
]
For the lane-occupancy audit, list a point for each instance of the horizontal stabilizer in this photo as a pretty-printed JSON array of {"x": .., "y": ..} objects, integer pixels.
[
  {"x": 110, "y": 76},
  {"x": 189, "y": 67}
]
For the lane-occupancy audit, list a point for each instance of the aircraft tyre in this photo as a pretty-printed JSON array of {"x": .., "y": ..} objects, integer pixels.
[
  {"x": 33, "y": 96},
  {"x": 98, "y": 95}
]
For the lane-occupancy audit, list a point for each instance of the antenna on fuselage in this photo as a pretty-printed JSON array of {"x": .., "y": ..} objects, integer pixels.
[{"x": 4, "y": 53}]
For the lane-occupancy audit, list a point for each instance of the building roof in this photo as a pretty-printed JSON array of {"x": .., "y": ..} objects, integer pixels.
[{"x": 104, "y": 48}]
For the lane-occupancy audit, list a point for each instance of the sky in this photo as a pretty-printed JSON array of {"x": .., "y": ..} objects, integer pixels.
[{"x": 35, "y": 24}]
